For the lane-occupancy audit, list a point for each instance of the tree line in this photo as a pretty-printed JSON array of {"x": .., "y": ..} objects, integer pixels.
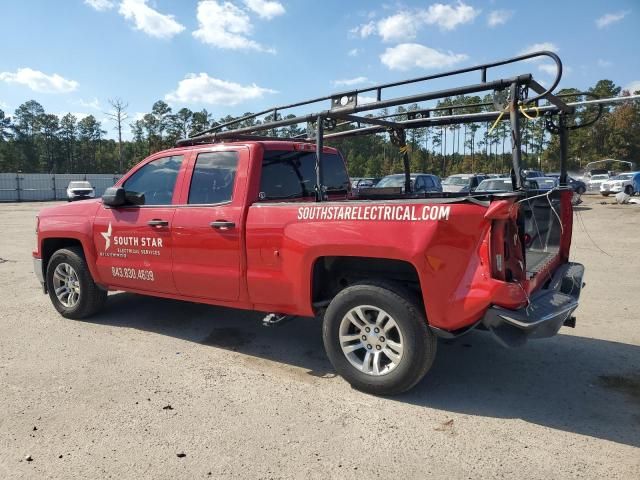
[{"x": 33, "y": 140}]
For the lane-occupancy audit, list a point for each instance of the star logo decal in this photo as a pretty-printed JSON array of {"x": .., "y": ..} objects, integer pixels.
[{"x": 107, "y": 237}]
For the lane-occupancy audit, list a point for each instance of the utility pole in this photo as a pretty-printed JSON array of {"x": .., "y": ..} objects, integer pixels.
[{"x": 118, "y": 115}]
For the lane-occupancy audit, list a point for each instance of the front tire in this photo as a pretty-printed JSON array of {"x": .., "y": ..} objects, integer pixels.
[
  {"x": 71, "y": 288},
  {"x": 377, "y": 339}
]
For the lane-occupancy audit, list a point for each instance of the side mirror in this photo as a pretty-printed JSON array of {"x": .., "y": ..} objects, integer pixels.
[
  {"x": 118, "y": 196},
  {"x": 114, "y": 197}
]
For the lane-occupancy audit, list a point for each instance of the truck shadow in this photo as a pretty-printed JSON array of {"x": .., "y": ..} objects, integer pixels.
[{"x": 574, "y": 384}]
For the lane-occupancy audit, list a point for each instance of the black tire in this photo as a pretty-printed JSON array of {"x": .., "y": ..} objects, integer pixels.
[
  {"x": 91, "y": 297},
  {"x": 629, "y": 190},
  {"x": 580, "y": 190},
  {"x": 419, "y": 347},
  {"x": 605, "y": 194}
]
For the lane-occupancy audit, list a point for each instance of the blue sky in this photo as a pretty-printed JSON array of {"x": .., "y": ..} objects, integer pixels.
[{"x": 245, "y": 55}]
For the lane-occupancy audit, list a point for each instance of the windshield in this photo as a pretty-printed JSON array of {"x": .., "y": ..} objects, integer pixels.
[
  {"x": 600, "y": 177},
  {"x": 79, "y": 185},
  {"x": 627, "y": 176},
  {"x": 493, "y": 185},
  {"x": 454, "y": 180},
  {"x": 392, "y": 181}
]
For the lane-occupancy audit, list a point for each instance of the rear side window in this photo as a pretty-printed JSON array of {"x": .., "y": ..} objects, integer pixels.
[
  {"x": 156, "y": 180},
  {"x": 290, "y": 174},
  {"x": 429, "y": 182},
  {"x": 213, "y": 178}
]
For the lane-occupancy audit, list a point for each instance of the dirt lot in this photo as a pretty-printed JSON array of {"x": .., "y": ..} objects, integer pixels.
[{"x": 90, "y": 399}]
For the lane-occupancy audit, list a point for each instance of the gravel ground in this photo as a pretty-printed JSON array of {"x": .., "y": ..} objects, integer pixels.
[{"x": 125, "y": 394}]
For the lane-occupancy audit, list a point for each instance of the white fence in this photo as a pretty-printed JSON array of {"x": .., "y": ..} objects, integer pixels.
[{"x": 31, "y": 187}]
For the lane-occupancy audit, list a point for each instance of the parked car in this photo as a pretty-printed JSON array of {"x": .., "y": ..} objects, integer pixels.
[
  {"x": 462, "y": 183},
  {"x": 495, "y": 185},
  {"x": 420, "y": 182},
  {"x": 78, "y": 190},
  {"x": 628, "y": 183},
  {"x": 541, "y": 183},
  {"x": 577, "y": 185},
  {"x": 593, "y": 185},
  {"x": 528, "y": 173},
  {"x": 498, "y": 175},
  {"x": 357, "y": 183}
]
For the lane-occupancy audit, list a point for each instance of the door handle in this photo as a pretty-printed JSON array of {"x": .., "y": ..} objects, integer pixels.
[
  {"x": 158, "y": 223},
  {"x": 222, "y": 225}
]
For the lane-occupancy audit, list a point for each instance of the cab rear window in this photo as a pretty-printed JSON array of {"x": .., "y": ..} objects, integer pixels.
[{"x": 290, "y": 174}]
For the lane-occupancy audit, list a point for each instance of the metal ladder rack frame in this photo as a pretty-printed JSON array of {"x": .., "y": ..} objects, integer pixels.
[{"x": 344, "y": 107}]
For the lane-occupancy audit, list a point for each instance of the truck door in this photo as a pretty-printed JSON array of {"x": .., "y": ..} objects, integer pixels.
[
  {"x": 133, "y": 243},
  {"x": 207, "y": 229}
]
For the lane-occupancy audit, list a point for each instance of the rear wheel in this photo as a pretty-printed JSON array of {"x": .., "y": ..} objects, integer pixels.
[
  {"x": 629, "y": 190},
  {"x": 605, "y": 194},
  {"x": 377, "y": 339},
  {"x": 71, "y": 288},
  {"x": 580, "y": 190}
]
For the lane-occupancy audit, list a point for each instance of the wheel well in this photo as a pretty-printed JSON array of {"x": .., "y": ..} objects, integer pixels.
[
  {"x": 52, "y": 245},
  {"x": 332, "y": 274}
]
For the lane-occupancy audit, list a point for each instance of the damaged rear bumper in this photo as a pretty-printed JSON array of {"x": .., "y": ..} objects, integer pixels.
[{"x": 548, "y": 310}]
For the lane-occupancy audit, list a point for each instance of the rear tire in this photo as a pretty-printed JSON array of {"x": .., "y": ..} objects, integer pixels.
[
  {"x": 580, "y": 190},
  {"x": 629, "y": 190},
  {"x": 605, "y": 194},
  {"x": 367, "y": 359},
  {"x": 70, "y": 285}
]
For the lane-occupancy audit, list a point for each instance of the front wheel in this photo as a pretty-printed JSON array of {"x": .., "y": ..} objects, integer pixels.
[
  {"x": 71, "y": 288},
  {"x": 377, "y": 339}
]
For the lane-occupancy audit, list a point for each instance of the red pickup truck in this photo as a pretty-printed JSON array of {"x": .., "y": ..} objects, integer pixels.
[
  {"x": 234, "y": 224},
  {"x": 230, "y": 218}
]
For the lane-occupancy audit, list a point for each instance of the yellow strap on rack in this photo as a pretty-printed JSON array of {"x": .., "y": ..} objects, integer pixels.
[
  {"x": 524, "y": 112},
  {"x": 498, "y": 120},
  {"x": 404, "y": 149}
]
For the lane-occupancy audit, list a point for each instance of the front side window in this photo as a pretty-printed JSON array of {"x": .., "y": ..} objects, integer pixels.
[
  {"x": 156, "y": 180},
  {"x": 213, "y": 178},
  {"x": 288, "y": 174}
]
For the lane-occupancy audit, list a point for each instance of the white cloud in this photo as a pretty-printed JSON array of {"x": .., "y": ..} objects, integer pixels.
[
  {"x": 537, "y": 47},
  {"x": 604, "y": 63},
  {"x": 94, "y": 104},
  {"x": 551, "y": 69},
  {"x": 39, "y": 82},
  {"x": 498, "y": 17},
  {"x": 201, "y": 88},
  {"x": 148, "y": 20},
  {"x": 364, "y": 30},
  {"x": 349, "y": 82},
  {"x": 266, "y": 9},
  {"x": 100, "y": 5},
  {"x": 411, "y": 55},
  {"x": 610, "y": 18},
  {"x": 401, "y": 26},
  {"x": 448, "y": 17},
  {"x": 224, "y": 25},
  {"x": 405, "y": 24},
  {"x": 632, "y": 87},
  {"x": 4, "y": 106},
  {"x": 354, "y": 52}
]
